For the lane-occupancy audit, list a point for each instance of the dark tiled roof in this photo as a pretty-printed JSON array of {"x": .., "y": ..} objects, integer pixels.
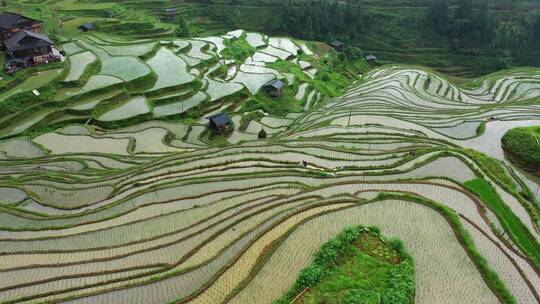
[
  {"x": 25, "y": 40},
  {"x": 276, "y": 84},
  {"x": 370, "y": 58},
  {"x": 337, "y": 43},
  {"x": 9, "y": 20},
  {"x": 87, "y": 26},
  {"x": 220, "y": 119}
]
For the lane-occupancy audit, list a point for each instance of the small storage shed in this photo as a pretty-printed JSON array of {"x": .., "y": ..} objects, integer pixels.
[
  {"x": 275, "y": 87},
  {"x": 371, "y": 59},
  {"x": 337, "y": 45},
  {"x": 220, "y": 123},
  {"x": 170, "y": 13},
  {"x": 87, "y": 27},
  {"x": 262, "y": 134}
]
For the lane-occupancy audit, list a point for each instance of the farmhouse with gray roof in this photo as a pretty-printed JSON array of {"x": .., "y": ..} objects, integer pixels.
[{"x": 12, "y": 23}]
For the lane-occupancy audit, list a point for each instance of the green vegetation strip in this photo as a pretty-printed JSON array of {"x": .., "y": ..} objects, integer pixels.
[
  {"x": 511, "y": 223},
  {"x": 356, "y": 266}
]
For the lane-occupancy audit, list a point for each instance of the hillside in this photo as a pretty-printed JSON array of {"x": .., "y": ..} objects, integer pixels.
[
  {"x": 114, "y": 82},
  {"x": 334, "y": 178},
  {"x": 396, "y": 31},
  {"x": 466, "y": 39}
]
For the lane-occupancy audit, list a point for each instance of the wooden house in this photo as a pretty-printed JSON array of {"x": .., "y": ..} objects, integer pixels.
[
  {"x": 13, "y": 23},
  {"x": 27, "y": 48}
]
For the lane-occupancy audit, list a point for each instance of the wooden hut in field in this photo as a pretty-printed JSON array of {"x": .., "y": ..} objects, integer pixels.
[
  {"x": 275, "y": 87},
  {"x": 337, "y": 45},
  {"x": 220, "y": 123},
  {"x": 371, "y": 59},
  {"x": 262, "y": 134},
  {"x": 169, "y": 14},
  {"x": 87, "y": 27}
]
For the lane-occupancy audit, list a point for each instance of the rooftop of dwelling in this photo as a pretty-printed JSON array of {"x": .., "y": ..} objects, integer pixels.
[{"x": 9, "y": 20}]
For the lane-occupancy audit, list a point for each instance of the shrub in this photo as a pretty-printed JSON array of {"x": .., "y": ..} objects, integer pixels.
[
  {"x": 238, "y": 50},
  {"x": 522, "y": 145},
  {"x": 402, "y": 284},
  {"x": 356, "y": 296},
  {"x": 310, "y": 275}
]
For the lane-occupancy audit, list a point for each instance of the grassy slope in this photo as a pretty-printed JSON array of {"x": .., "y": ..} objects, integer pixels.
[
  {"x": 399, "y": 33},
  {"x": 333, "y": 77},
  {"x": 523, "y": 147}
]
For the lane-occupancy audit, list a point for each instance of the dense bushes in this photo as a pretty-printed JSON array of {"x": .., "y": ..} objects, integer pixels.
[
  {"x": 238, "y": 50},
  {"x": 523, "y": 148},
  {"x": 401, "y": 284}
]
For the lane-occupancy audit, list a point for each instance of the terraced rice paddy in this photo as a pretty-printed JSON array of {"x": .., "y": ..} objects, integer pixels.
[
  {"x": 79, "y": 62},
  {"x": 170, "y": 69},
  {"x": 153, "y": 213},
  {"x": 131, "y": 108}
]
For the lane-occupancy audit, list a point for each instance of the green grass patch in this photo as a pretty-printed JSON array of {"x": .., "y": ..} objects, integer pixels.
[
  {"x": 522, "y": 145},
  {"x": 511, "y": 223},
  {"x": 276, "y": 106},
  {"x": 237, "y": 49},
  {"x": 357, "y": 266}
]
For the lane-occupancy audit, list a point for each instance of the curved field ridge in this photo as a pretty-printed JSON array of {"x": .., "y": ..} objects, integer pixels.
[{"x": 153, "y": 213}]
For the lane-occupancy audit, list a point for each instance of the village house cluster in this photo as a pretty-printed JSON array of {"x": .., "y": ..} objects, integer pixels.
[{"x": 25, "y": 43}]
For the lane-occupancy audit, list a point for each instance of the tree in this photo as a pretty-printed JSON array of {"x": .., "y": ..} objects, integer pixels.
[
  {"x": 325, "y": 27},
  {"x": 182, "y": 29},
  {"x": 439, "y": 15},
  {"x": 349, "y": 13},
  {"x": 352, "y": 54},
  {"x": 308, "y": 32},
  {"x": 481, "y": 22},
  {"x": 483, "y": 13},
  {"x": 509, "y": 35},
  {"x": 464, "y": 10},
  {"x": 313, "y": 11},
  {"x": 536, "y": 28},
  {"x": 289, "y": 18}
]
